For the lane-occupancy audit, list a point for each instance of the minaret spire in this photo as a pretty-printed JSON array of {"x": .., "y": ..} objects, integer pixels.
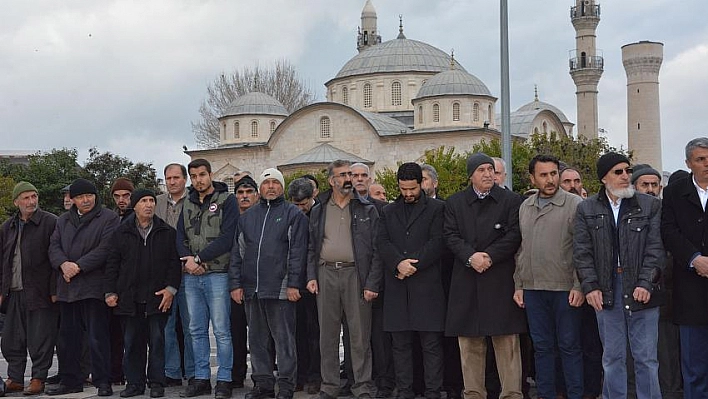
[
  {"x": 400, "y": 27},
  {"x": 368, "y": 34}
]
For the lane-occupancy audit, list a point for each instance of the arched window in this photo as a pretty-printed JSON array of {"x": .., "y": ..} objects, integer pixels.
[
  {"x": 272, "y": 127},
  {"x": 475, "y": 112},
  {"x": 420, "y": 114},
  {"x": 325, "y": 132},
  {"x": 396, "y": 93},
  {"x": 490, "y": 117},
  {"x": 535, "y": 130},
  {"x": 224, "y": 134},
  {"x": 367, "y": 95},
  {"x": 436, "y": 113},
  {"x": 455, "y": 111},
  {"x": 237, "y": 133},
  {"x": 345, "y": 95},
  {"x": 545, "y": 127},
  {"x": 254, "y": 128}
]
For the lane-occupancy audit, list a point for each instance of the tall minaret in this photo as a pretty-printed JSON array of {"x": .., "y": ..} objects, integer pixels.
[
  {"x": 368, "y": 35},
  {"x": 586, "y": 65},
  {"x": 642, "y": 62}
]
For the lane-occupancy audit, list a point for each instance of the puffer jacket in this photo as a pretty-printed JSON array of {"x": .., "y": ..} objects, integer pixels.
[
  {"x": 641, "y": 252},
  {"x": 364, "y": 226},
  {"x": 270, "y": 250}
]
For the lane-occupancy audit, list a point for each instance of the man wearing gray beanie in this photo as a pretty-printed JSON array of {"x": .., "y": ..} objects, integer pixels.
[{"x": 647, "y": 180}]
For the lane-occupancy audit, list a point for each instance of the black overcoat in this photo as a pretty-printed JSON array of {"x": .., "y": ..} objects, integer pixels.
[
  {"x": 481, "y": 304},
  {"x": 416, "y": 303}
]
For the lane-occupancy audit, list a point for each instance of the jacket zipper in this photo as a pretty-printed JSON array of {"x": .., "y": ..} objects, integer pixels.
[{"x": 260, "y": 241}]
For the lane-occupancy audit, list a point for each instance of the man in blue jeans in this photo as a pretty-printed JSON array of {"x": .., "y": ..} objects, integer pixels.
[
  {"x": 205, "y": 233},
  {"x": 620, "y": 257},
  {"x": 545, "y": 279}
]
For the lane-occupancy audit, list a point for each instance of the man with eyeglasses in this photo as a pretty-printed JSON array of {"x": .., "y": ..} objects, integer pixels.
[
  {"x": 619, "y": 257},
  {"x": 647, "y": 180}
]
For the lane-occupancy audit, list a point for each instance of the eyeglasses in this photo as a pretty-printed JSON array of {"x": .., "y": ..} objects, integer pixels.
[{"x": 618, "y": 172}]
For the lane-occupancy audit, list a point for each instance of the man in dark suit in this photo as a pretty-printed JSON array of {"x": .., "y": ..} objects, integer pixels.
[
  {"x": 410, "y": 243},
  {"x": 683, "y": 228}
]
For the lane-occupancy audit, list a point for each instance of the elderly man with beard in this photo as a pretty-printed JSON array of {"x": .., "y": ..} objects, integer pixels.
[
  {"x": 647, "y": 180},
  {"x": 619, "y": 257}
]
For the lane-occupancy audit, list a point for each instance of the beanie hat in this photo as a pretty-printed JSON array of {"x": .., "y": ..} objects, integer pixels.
[
  {"x": 82, "y": 186},
  {"x": 66, "y": 189},
  {"x": 608, "y": 161},
  {"x": 21, "y": 187},
  {"x": 271, "y": 173},
  {"x": 476, "y": 159},
  {"x": 644, "y": 170},
  {"x": 245, "y": 181},
  {"x": 140, "y": 193},
  {"x": 122, "y": 183}
]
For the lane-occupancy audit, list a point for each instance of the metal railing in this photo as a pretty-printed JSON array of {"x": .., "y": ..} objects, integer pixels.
[
  {"x": 585, "y": 11},
  {"x": 587, "y": 62}
]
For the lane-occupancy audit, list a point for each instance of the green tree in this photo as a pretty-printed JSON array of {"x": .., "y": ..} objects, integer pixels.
[{"x": 6, "y": 201}]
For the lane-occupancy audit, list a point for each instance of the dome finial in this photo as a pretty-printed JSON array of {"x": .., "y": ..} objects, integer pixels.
[
  {"x": 535, "y": 92},
  {"x": 400, "y": 27},
  {"x": 452, "y": 59}
]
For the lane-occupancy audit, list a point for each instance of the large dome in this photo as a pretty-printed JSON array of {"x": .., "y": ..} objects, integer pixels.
[
  {"x": 397, "y": 55},
  {"x": 453, "y": 82},
  {"x": 537, "y": 106},
  {"x": 255, "y": 103}
]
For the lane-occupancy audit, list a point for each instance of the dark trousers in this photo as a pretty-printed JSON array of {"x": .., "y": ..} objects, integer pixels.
[
  {"x": 694, "y": 361},
  {"x": 93, "y": 316},
  {"x": 140, "y": 333},
  {"x": 452, "y": 374},
  {"x": 33, "y": 332},
  {"x": 239, "y": 338},
  {"x": 592, "y": 356},
  {"x": 307, "y": 336},
  {"x": 116, "y": 349},
  {"x": 432, "y": 349},
  {"x": 382, "y": 367}
]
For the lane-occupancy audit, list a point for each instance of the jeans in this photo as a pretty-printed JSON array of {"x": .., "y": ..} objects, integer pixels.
[
  {"x": 616, "y": 324},
  {"x": 694, "y": 361},
  {"x": 552, "y": 319},
  {"x": 173, "y": 361},
  {"x": 208, "y": 299},
  {"x": 139, "y": 333},
  {"x": 272, "y": 321}
]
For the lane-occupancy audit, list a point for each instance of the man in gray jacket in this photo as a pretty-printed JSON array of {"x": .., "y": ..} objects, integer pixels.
[{"x": 545, "y": 279}]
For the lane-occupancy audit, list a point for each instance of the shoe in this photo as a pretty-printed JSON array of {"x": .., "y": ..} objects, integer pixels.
[
  {"x": 283, "y": 394},
  {"x": 454, "y": 394},
  {"x": 237, "y": 384},
  {"x": 324, "y": 395},
  {"x": 312, "y": 388},
  {"x": 173, "y": 382},
  {"x": 364, "y": 396},
  {"x": 345, "y": 391},
  {"x": 35, "y": 387},
  {"x": 12, "y": 386},
  {"x": 299, "y": 388},
  {"x": 384, "y": 393},
  {"x": 196, "y": 388},
  {"x": 62, "y": 389},
  {"x": 55, "y": 379},
  {"x": 222, "y": 390},
  {"x": 157, "y": 390},
  {"x": 258, "y": 393},
  {"x": 132, "y": 390},
  {"x": 105, "y": 390}
]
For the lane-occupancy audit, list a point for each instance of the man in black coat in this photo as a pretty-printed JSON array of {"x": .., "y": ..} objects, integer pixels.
[
  {"x": 481, "y": 229},
  {"x": 143, "y": 274},
  {"x": 410, "y": 243}
]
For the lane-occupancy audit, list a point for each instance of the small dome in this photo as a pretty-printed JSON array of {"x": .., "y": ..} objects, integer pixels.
[
  {"x": 368, "y": 10},
  {"x": 453, "y": 82},
  {"x": 537, "y": 106},
  {"x": 255, "y": 103}
]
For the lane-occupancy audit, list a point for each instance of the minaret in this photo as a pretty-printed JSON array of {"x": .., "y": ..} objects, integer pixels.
[
  {"x": 368, "y": 35},
  {"x": 642, "y": 62},
  {"x": 586, "y": 65}
]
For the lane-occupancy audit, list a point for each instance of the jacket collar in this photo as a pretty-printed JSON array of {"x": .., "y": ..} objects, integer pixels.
[
  {"x": 687, "y": 190},
  {"x": 218, "y": 188},
  {"x": 417, "y": 209},
  {"x": 558, "y": 198}
]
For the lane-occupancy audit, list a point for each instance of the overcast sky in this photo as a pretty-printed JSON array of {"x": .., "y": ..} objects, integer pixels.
[{"x": 129, "y": 76}]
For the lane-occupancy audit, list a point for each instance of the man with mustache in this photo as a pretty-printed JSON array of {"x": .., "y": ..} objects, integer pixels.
[
  {"x": 571, "y": 181},
  {"x": 546, "y": 282},
  {"x": 647, "y": 180},
  {"x": 246, "y": 191},
  {"x": 619, "y": 257}
]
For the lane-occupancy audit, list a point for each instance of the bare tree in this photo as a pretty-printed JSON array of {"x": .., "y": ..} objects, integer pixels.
[{"x": 279, "y": 80}]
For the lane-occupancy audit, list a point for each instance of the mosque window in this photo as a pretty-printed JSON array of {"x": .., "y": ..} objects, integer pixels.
[
  {"x": 535, "y": 130},
  {"x": 367, "y": 95},
  {"x": 489, "y": 113},
  {"x": 325, "y": 127},
  {"x": 237, "y": 133},
  {"x": 254, "y": 128},
  {"x": 345, "y": 95},
  {"x": 436, "y": 113},
  {"x": 455, "y": 111},
  {"x": 475, "y": 112},
  {"x": 272, "y": 127},
  {"x": 224, "y": 131},
  {"x": 545, "y": 127},
  {"x": 396, "y": 93},
  {"x": 420, "y": 114}
]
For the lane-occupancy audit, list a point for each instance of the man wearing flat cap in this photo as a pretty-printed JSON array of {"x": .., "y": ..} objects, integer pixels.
[
  {"x": 481, "y": 228},
  {"x": 28, "y": 289},
  {"x": 78, "y": 251},
  {"x": 646, "y": 180},
  {"x": 619, "y": 256}
]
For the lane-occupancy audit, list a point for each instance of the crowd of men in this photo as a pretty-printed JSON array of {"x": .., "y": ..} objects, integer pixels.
[{"x": 429, "y": 296}]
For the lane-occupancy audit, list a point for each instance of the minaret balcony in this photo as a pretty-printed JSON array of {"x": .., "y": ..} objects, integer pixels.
[
  {"x": 585, "y": 11},
  {"x": 592, "y": 62}
]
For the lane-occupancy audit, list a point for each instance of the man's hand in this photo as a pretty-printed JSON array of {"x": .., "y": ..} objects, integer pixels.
[
  {"x": 166, "y": 302},
  {"x": 480, "y": 261},
  {"x": 191, "y": 267},
  {"x": 576, "y": 298},
  {"x": 519, "y": 298},
  {"x": 641, "y": 295},
  {"x": 53, "y": 298},
  {"x": 69, "y": 270},
  {"x": 112, "y": 301},
  {"x": 370, "y": 295},
  {"x": 405, "y": 268},
  {"x": 293, "y": 294},
  {"x": 237, "y": 295},
  {"x": 700, "y": 264},
  {"x": 594, "y": 299},
  {"x": 312, "y": 287}
]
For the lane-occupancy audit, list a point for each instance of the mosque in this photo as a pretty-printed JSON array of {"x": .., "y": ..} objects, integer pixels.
[{"x": 391, "y": 102}]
